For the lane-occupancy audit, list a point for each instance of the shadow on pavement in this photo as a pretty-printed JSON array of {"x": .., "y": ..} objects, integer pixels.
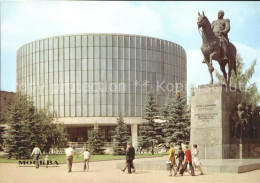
[
  {"x": 94, "y": 171},
  {"x": 141, "y": 172},
  {"x": 189, "y": 175},
  {"x": 86, "y": 171}
]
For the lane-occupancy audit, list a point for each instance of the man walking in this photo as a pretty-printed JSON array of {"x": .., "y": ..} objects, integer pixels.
[
  {"x": 69, "y": 154},
  {"x": 37, "y": 152},
  {"x": 181, "y": 158},
  {"x": 130, "y": 156}
]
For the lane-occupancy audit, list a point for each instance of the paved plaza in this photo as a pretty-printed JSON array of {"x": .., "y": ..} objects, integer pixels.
[
  {"x": 209, "y": 165},
  {"x": 106, "y": 172}
]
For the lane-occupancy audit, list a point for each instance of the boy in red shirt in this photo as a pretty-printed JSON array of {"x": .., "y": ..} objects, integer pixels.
[{"x": 188, "y": 160}]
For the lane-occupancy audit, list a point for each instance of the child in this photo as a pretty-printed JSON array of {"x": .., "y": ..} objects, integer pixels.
[
  {"x": 46, "y": 160},
  {"x": 86, "y": 155}
]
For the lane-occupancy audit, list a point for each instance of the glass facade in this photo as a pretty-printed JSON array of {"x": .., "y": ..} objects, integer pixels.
[{"x": 99, "y": 75}]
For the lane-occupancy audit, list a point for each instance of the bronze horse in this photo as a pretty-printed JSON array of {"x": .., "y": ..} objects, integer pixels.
[{"x": 211, "y": 50}]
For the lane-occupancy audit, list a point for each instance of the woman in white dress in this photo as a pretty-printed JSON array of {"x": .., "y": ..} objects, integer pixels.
[{"x": 195, "y": 159}]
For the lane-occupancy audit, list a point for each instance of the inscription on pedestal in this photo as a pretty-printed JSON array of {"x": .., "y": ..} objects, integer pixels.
[
  {"x": 210, "y": 121},
  {"x": 206, "y": 113}
]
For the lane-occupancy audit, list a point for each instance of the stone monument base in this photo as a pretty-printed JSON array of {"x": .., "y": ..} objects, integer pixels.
[
  {"x": 208, "y": 165},
  {"x": 211, "y": 109},
  {"x": 212, "y": 127},
  {"x": 244, "y": 148},
  {"x": 230, "y": 165}
]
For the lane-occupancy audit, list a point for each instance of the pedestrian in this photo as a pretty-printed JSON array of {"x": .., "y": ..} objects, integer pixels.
[
  {"x": 195, "y": 158},
  {"x": 36, "y": 152},
  {"x": 46, "y": 160},
  {"x": 130, "y": 156},
  {"x": 86, "y": 155},
  {"x": 188, "y": 160},
  {"x": 180, "y": 156},
  {"x": 172, "y": 160},
  {"x": 69, "y": 154},
  {"x": 126, "y": 165}
]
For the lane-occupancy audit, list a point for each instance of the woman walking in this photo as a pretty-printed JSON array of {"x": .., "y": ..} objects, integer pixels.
[
  {"x": 195, "y": 158},
  {"x": 172, "y": 160},
  {"x": 188, "y": 161}
]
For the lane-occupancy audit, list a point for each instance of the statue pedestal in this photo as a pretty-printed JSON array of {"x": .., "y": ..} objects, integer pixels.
[{"x": 211, "y": 110}]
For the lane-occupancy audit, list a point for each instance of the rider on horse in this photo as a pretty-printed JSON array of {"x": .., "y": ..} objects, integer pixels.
[{"x": 220, "y": 28}]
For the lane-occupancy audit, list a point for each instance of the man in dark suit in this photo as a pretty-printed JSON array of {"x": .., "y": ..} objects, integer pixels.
[
  {"x": 130, "y": 156},
  {"x": 181, "y": 158}
]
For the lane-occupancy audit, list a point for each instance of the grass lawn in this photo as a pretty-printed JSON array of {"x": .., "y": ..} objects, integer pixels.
[{"x": 62, "y": 158}]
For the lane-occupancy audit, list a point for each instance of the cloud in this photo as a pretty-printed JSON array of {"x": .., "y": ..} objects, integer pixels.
[
  {"x": 248, "y": 55},
  {"x": 184, "y": 19},
  {"x": 41, "y": 19},
  {"x": 23, "y": 22},
  {"x": 197, "y": 73}
]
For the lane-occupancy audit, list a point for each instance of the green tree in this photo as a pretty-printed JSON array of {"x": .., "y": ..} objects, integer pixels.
[
  {"x": 121, "y": 136},
  {"x": 16, "y": 141},
  {"x": 2, "y": 118},
  {"x": 30, "y": 126},
  {"x": 149, "y": 130},
  {"x": 242, "y": 81},
  {"x": 42, "y": 129},
  {"x": 178, "y": 121},
  {"x": 159, "y": 133},
  {"x": 95, "y": 141},
  {"x": 168, "y": 126},
  {"x": 52, "y": 131},
  {"x": 192, "y": 91},
  {"x": 55, "y": 136},
  {"x": 166, "y": 108}
]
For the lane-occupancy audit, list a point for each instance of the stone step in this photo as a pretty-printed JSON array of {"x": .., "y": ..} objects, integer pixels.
[{"x": 208, "y": 165}]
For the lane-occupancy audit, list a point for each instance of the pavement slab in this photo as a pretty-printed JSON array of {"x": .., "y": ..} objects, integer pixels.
[{"x": 106, "y": 172}]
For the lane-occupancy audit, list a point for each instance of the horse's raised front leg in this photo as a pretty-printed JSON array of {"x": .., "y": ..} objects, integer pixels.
[{"x": 211, "y": 57}]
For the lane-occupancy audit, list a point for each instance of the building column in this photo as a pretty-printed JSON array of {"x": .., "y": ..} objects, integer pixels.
[{"x": 134, "y": 135}]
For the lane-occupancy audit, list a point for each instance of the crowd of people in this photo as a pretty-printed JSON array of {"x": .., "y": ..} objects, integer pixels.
[{"x": 190, "y": 159}]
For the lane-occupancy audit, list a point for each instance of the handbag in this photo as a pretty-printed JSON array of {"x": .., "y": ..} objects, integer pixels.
[{"x": 168, "y": 165}]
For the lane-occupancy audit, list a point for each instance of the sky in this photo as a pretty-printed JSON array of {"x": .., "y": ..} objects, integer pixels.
[{"x": 26, "y": 21}]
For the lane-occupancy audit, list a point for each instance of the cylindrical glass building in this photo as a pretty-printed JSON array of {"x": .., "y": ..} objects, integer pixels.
[{"x": 89, "y": 78}]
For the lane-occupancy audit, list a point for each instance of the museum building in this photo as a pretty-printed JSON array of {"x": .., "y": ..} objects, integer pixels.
[{"x": 91, "y": 78}]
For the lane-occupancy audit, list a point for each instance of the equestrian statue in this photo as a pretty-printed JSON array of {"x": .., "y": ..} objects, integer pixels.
[{"x": 216, "y": 46}]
